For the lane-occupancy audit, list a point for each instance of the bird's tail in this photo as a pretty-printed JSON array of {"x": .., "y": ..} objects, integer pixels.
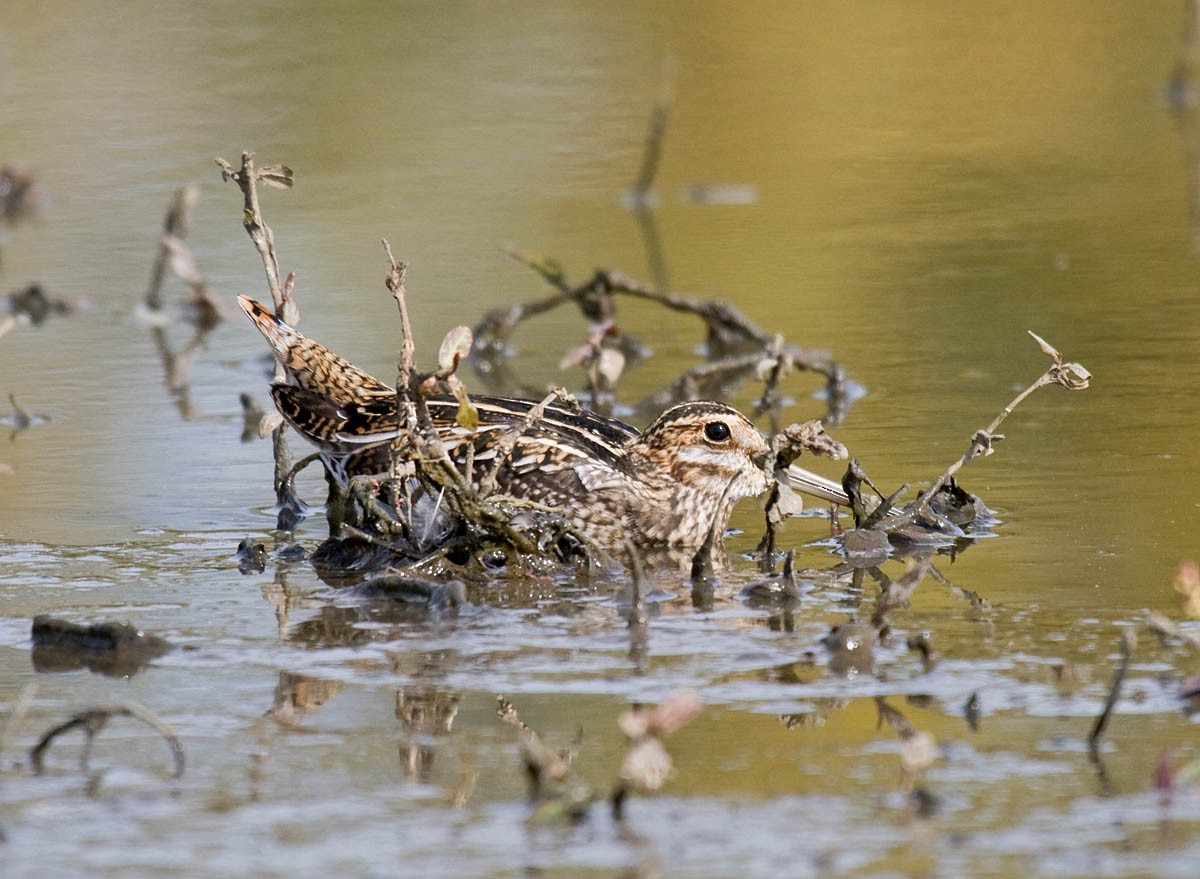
[{"x": 312, "y": 366}]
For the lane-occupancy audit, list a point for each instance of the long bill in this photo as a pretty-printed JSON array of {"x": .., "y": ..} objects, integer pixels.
[{"x": 816, "y": 486}]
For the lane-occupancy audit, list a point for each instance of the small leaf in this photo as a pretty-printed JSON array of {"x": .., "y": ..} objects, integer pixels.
[
  {"x": 456, "y": 345},
  {"x": 467, "y": 415},
  {"x": 1073, "y": 376}
]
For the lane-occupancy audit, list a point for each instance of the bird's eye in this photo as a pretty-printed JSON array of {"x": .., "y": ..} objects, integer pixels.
[{"x": 716, "y": 431}]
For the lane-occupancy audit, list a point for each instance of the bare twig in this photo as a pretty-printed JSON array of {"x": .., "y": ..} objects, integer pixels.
[
  {"x": 279, "y": 176},
  {"x": 724, "y": 321},
  {"x": 898, "y": 591},
  {"x": 1166, "y": 628},
  {"x": 395, "y": 284},
  {"x": 774, "y": 366},
  {"x": 544, "y": 765},
  {"x": 1071, "y": 376}
]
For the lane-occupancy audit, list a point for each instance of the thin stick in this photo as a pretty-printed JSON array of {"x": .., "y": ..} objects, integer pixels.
[
  {"x": 395, "y": 283},
  {"x": 1168, "y": 629},
  {"x": 406, "y": 408},
  {"x": 1071, "y": 376},
  {"x": 260, "y": 233},
  {"x": 264, "y": 241}
]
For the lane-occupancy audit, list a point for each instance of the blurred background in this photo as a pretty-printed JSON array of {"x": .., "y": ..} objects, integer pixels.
[{"x": 910, "y": 186}]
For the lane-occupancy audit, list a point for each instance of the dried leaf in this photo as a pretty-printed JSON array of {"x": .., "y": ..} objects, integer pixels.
[
  {"x": 1072, "y": 376},
  {"x": 1187, "y": 584},
  {"x": 918, "y": 752},
  {"x": 647, "y": 764},
  {"x": 610, "y": 365},
  {"x": 1049, "y": 349},
  {"x": 456, "y": 345},
  {"x": 675, "y": 712},
  {"x": 778, "y": 360},
  {"x": 789, "y": 503},
  {"x": 635, "y": 722},
  {"x": 291, "y": 309},
  {"x": 278, "y": 176}
]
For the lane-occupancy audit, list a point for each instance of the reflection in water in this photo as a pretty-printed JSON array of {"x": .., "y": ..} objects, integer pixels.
[
  {"x": 298, "y": 694},
  {"x": 909, "y": 224},
  {"x": 425, "y": 712},
  {"x": 113, "y": 649},
  {"x": 816, "y": 717}
]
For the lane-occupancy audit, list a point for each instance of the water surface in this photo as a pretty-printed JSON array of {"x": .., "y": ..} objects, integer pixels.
[{"x": 927, "y": 183}]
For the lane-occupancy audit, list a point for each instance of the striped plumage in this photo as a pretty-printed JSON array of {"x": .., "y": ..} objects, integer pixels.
[{"x": 666, "y": 486}]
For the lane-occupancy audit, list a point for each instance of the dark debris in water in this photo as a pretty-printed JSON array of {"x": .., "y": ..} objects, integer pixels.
[
  {"x": 782, "y": 588},
  {"x": 251, "y": 556},
  {"x": 20, "y": 197},
  {"x": 851, "y": 647},
  {"x": 113, "y": 649},
  {"x": 414, "y": 591},
  {"x": 19, "y": 419},
  {"x": 33, "y": 305}
]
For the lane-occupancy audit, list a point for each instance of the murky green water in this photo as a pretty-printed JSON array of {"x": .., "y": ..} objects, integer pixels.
[{"x": 928, "y": 182}]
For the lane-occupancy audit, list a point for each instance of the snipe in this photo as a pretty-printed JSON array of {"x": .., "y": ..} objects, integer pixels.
[{"x": 664, "y": 487}]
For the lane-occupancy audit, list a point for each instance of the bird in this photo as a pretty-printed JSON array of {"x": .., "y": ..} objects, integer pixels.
[{"x": 668, "y": 486}]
